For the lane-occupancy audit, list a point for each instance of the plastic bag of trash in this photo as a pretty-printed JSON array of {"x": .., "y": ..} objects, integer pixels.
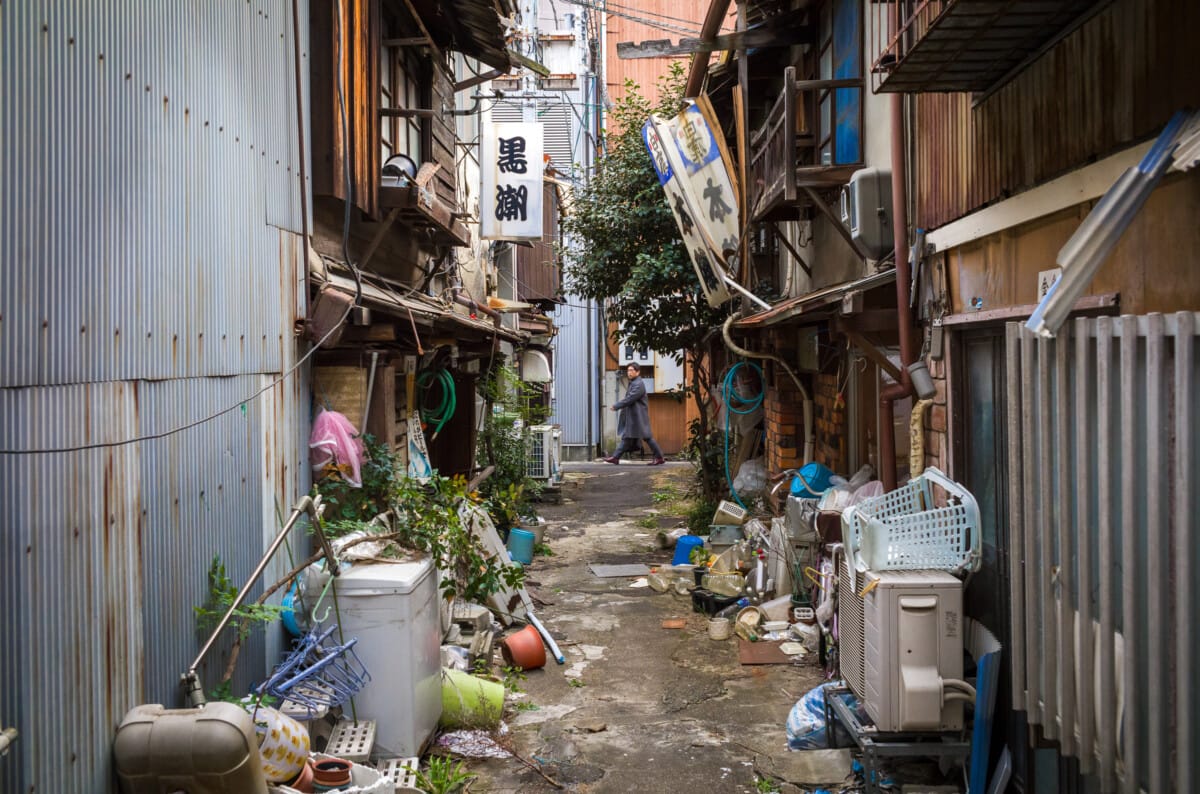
[
  {"x": 335, "y": 440},
  {"x": 751, "y": 478},
  {"x": 806, "y": 721}
]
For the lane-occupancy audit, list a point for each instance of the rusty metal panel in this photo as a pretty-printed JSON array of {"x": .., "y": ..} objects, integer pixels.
[
  {"x": 140, "y": 146},
  {"x": 1112, "y": 82},
  {"x": 538, "y": 272},
  {"x": 104, "y": 554},
  {"x": 669, "y": 18}
]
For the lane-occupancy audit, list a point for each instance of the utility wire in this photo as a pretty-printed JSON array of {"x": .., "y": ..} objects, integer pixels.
[{"x": 633, "y": 18}]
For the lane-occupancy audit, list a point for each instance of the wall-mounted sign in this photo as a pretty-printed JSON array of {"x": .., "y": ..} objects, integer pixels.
[{"x": 511, "y": 165}]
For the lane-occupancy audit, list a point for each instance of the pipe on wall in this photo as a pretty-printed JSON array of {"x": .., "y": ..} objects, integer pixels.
[{"x": 897, "y": 391}]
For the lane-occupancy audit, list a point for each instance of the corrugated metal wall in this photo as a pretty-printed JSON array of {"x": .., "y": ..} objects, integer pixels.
[
  {"x": 576, "y": 380},
  {"x": 151, "y": 276},
  {"x": 1114, "y": 81},
  {"x": 1103, "y": 475}
]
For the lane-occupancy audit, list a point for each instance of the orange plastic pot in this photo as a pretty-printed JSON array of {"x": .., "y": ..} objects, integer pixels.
[{"x": 524, "y": 649}]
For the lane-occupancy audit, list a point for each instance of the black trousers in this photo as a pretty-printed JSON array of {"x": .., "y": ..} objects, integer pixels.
[{"x": 630, "y": 444}]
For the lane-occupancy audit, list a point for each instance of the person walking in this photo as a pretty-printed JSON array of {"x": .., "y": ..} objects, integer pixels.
[{"x": 634, "y": 421}]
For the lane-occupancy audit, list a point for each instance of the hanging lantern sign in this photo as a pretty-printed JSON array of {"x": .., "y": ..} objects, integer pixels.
[{"x": 511, "y": 165}]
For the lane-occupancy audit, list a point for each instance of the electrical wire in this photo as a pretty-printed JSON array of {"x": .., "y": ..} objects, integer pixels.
[
  {"x": 608, "y": 8},
  {"x": 292, "y": 369}
]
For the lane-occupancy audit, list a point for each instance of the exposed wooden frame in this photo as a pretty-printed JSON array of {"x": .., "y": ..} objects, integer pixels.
[{"x": 783, "y": 239}]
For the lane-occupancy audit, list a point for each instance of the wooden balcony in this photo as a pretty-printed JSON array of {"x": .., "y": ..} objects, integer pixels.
[
  {"x": 811, "y": 141},
  {"x": 932, "y": 46}
]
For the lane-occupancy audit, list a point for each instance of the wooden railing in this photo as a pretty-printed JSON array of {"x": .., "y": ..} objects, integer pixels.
[{"x": 785, "y": 151}]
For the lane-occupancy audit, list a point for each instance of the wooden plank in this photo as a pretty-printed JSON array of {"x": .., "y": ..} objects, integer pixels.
[
  {"x": 739, "y": 121},
  {"x": 873, "y": 353},
  {"x": 740, "y": 41},
  {"x": 1109, "y": 302}
]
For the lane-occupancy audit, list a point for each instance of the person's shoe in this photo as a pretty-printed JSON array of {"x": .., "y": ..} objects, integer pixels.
[
  {"x": 613, "y": 461},
  {"x": 657, "y": 462}
]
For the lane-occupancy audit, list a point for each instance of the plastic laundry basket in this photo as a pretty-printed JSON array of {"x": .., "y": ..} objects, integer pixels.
[{"x": 902, "y": 530}]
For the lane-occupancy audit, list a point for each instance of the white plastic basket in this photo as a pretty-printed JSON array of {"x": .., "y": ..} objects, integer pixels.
[{"x": 902, "y": 530}]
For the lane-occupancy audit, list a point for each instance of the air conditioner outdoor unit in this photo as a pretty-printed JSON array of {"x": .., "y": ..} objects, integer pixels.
[
  {"x": 545, "y": 452},
  {"x": 901, "y": 647}
]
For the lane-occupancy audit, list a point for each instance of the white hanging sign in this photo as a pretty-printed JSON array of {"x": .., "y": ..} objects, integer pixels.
[{"x": 511, "y": 166}]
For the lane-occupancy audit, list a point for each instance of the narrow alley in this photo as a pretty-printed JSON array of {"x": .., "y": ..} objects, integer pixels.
[{"x": 638, "y": 707}]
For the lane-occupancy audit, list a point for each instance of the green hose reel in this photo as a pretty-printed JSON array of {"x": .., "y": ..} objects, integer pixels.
[{"x": 438, "y": 415}]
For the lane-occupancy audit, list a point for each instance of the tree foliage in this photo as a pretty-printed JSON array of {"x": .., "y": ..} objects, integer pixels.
[{"x": 624, "y": 249}]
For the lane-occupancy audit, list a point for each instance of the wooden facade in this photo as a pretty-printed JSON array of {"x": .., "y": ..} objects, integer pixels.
[
  {"x": 539, "y": 271},
  {"x": 1114, "y": 81}
]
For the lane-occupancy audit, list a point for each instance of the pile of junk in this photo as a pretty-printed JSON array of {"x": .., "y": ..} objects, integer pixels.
[
  {"x": 872, "y": 584},
  {"x": 383, "y": 667}
]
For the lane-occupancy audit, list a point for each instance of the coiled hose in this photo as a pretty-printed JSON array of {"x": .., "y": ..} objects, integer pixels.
[
  {"x": 446, "y": 406},
  {"x": 737, "y": 404}
]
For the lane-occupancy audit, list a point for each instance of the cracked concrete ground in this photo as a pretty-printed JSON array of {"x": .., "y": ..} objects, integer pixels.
[{"x": 639, "y": 708}]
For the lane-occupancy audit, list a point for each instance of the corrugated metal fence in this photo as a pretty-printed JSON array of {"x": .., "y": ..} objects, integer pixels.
[
  {"x": 151, "y": 275},
  {"x": 1106, "y": 544}
]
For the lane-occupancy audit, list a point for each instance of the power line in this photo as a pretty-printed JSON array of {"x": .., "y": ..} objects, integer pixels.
[{"x": 640, "y": 20}]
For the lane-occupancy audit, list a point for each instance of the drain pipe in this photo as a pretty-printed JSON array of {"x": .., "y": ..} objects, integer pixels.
[
  {"x": 898, "y": 391},
  {"x": 808, "y": 403}
]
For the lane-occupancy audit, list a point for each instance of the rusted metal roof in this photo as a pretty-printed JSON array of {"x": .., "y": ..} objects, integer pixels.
[
  {"x": 795, "y": 308},
  {"x": 474, "y": 27},
  {"x": 424, "y": 310}
]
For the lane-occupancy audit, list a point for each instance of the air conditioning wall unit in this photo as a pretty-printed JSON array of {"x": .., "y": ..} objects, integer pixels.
[
  {"x": 867, "y": 210},
  {"x": 901, "y": 647},
  {"x": 545, "y": 453}
]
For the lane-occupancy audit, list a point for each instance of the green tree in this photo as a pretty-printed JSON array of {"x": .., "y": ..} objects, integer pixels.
[{"x": 624, "y": 249}]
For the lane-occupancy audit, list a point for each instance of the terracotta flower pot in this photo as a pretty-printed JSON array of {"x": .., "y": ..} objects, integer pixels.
[
  {"x": 304, "y": 781},
  {"x": 331, "y": 774},
  {"x": 524, "y": 649}
]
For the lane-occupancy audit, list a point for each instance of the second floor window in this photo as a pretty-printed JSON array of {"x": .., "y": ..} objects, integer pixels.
[{"x": 403, "y": 84}]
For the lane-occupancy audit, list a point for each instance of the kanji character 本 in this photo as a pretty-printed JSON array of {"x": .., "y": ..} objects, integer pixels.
[
  {"x": 512, "y": 156},
  {"x": 511, "y": 202},
  {"x": 717, "y": 208}
]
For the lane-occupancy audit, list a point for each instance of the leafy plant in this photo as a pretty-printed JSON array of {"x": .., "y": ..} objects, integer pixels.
[
  {"x": 526, "y": 705},
  {"x": 699, "y": 555},
  {"x": 443, "y": 776},
  {"x": 576, "y": 682},
  {"x": 223, "y": 693},
  {"x": 648, "y": 522},
  {"x": 221, "y": 595},
  {"x": 347, "y": 503},
  {"x": 699, "y": 517},
  {"x": 543, "y": 549},
  {"x": 513, "y": 678}
]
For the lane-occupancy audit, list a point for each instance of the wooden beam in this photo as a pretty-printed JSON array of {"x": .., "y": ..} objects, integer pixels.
[
  {"x": 530, "y": 64},
  {"x": 415, "y": 41},
  {"x": 759, "y": 38},
  {"x": 380, "y": 233},
  {"x": 834, "y": 220},
  {"x": 478, "y": 79},
  {"x": 1107, "y": 303},
  {"x": 739, "y": 123},
  {"x": 873, "y": 353},
  {"x": 710, "y": 28},
  {"x": 438, "y": 57},
  {"x": 780, "y": 236}
]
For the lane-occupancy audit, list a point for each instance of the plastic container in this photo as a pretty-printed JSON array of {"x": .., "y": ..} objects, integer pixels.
[
  {"x": 520, "y": 545},
  {"x": 209, "y": 749},
  {"x": 282, "y": 743},
  {"x": 470, "y": 702},
  {"x": 683, "y": 548},
  {"x": 363, "y": 780},
  {"x": 393, "y": 610},
  {"x": 720, "y": 628},
  {"x": 777, "y": 608},
  {"x": 811, "y": 481},
  {"x": 902, "y": 530},
  {"x": 727, "y": 584}
]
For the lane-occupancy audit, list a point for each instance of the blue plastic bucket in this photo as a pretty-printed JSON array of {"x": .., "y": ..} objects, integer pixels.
[
  {"x": 520, "y": 546},
  {"x": 812, "y": 482},
  {"x": 683, "y": 548}
]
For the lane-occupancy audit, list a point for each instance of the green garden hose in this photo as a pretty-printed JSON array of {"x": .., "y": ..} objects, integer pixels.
[{"x": 445, "y": 408}]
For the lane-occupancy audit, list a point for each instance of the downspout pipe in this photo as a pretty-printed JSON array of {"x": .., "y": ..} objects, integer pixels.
[{"x": 898, "y": 391}]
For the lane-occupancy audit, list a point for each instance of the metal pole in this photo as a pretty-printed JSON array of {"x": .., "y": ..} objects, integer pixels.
[
  {"x": 738, "y": 288},
  {"x": 306, "y": 504}
]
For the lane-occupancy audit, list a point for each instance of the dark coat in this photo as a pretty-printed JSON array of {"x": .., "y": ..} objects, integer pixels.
[{"x": 634, "y": 420}]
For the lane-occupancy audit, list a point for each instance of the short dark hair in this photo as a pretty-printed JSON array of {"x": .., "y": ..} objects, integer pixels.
[{"x": 636, "y": 366}]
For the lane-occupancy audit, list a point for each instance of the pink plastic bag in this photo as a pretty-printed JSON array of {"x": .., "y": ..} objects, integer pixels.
[{"x": 334, "y": 440}]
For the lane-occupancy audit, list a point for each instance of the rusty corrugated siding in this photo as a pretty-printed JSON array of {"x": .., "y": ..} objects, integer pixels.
[
  {"x": 684, "y": 14},
  {"x": 538, "y": 276},
  {"x": 150, "y": 277},
  {"x": 1114, "y": 81}
]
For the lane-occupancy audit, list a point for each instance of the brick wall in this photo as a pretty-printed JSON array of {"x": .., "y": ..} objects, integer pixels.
[
  {"x": 937, "y": 439},
  {"x": 783, "y": 418}
]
